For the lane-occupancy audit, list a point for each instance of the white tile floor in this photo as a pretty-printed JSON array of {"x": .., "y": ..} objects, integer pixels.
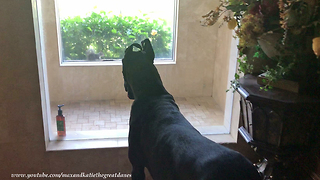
[{"x": 114, "y": 114}]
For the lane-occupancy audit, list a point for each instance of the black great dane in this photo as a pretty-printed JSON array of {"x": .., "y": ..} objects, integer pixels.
[{"x": 162, "y": 140}]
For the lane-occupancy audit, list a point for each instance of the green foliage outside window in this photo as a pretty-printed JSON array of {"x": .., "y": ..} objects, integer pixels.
[{"x": 112, "y": 34}]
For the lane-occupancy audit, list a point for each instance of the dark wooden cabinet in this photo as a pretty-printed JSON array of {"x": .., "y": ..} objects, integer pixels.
[{"x": 282, "y": 126}]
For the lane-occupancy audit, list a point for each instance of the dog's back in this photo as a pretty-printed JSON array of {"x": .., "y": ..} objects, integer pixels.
[
  {"x": 174, "y": 150},
  {"x": 161, "y": 139}
]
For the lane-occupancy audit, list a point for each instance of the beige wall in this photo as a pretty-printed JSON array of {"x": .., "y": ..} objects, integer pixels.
[
  {"x": 221, "y": 66},
  {"x": 196, "y": 73}
]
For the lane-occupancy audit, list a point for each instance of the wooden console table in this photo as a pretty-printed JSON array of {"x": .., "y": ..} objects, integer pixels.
[{"x": 283, "y": 127}]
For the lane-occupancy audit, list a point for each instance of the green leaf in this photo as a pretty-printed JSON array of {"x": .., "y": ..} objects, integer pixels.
[
  {"x": 256, "y": 55},
  {"x": 110, "y": 34},
  {"x": 236, "y": 76}
]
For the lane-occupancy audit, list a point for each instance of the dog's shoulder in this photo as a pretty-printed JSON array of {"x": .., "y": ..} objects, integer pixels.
[{"x": 153, "y": 101}]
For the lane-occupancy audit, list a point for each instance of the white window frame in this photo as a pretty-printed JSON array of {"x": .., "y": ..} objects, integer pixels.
[
  {"x": 226, "y": 133},
  {"x": 117, "y": 61}
]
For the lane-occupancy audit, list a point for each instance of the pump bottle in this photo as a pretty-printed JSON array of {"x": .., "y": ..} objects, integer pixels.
[{"x": 61, "y": 123}]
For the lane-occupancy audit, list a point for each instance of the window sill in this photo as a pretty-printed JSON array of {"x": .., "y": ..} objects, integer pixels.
[
  {"x": 87, "y": 144},
  {"x": 62, "y": 145},
  {"x": 108, "y": 63},
  {"x": 116, "y": 143}
]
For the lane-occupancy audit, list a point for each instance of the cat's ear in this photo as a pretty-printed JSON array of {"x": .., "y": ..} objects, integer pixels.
[{"x": 147, "y": 47}]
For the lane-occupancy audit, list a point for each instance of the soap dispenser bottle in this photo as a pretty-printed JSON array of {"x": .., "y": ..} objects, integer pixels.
[{"x": 61, "y": 123}]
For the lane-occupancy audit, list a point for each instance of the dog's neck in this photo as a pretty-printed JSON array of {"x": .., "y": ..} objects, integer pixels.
[{"x": 147, "y": 83}]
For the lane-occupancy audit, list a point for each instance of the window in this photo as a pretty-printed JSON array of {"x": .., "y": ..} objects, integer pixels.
[
  {"x": 201, "y": 70},
  {"x": 99, "y": 30}
]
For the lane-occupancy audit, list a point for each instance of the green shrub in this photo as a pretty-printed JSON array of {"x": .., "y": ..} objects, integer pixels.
[{"x": 111, "y": 35}]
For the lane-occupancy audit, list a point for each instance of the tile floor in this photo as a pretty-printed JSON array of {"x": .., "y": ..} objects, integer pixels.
[{"x": 114, "y": 114}]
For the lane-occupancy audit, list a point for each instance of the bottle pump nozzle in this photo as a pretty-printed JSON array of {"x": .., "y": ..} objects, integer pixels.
[{"x": 60, "y": 111}]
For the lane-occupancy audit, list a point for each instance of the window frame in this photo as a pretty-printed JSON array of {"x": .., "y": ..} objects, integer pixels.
[
  {"x": 116, "y": 61},
  {"x": 226, "y": 133}
]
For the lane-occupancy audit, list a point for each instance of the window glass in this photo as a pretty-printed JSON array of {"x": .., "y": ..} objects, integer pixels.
[{"x": 100, "y": 30}]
